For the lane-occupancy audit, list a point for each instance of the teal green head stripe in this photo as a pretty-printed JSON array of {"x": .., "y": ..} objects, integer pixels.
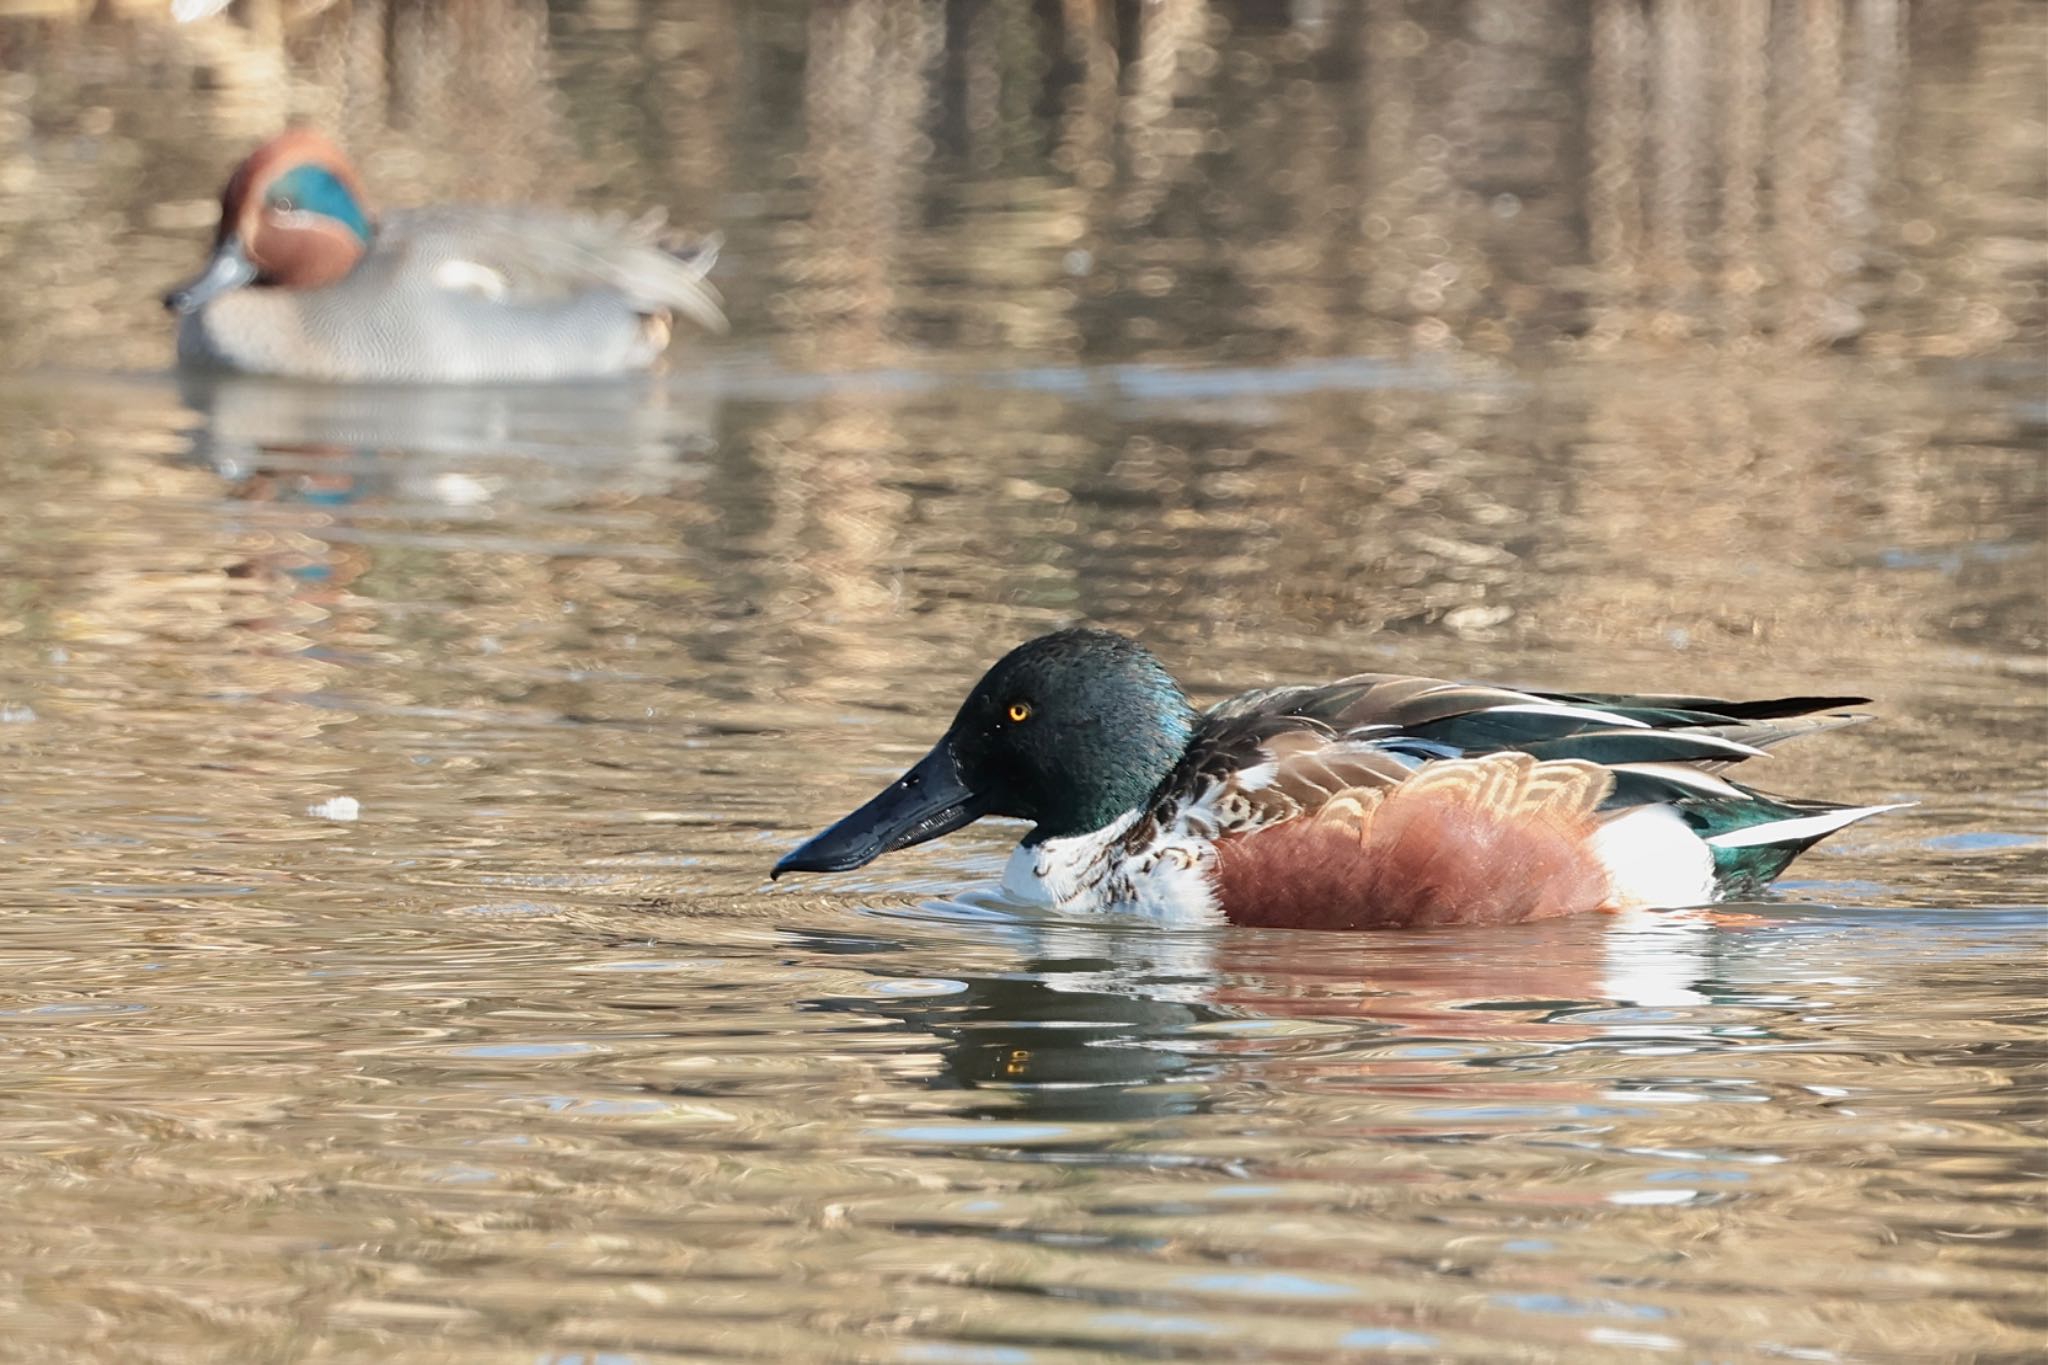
[{"x": 315, "y": 189}]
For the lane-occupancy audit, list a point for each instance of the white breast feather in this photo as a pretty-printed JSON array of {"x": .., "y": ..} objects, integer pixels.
[{"x": 1167, "y": 880}]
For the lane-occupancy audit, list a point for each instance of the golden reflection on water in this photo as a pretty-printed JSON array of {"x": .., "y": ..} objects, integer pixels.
[
  {"x": 527, "y": 1052},
  {"x": 1176, "y": 177},
  {"x": 388, "y": 780}
]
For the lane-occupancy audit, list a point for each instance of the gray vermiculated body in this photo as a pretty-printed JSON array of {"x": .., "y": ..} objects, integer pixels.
[{"x": 464, "y": 295}]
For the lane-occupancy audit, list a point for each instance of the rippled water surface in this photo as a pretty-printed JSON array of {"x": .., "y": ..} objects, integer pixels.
[{"x": 388, "y": 779}]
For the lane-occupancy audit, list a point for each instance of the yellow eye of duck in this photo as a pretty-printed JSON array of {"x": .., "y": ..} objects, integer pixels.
[{"x": 1020, "y": 711}]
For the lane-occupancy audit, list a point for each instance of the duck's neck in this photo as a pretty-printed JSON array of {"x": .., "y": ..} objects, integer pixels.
[{"x": 1109, "y": 782}]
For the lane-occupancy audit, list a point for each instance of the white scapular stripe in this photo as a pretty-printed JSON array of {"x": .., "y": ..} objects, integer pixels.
[
  {"x": 1692, "y": 778},
  {"x": 1799, "y": 828},
  {"x": 1733, "y": 746}
]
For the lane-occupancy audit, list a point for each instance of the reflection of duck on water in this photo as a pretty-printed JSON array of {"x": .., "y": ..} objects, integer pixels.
[
  {"x": 1130, "y": 1022},
  {"x": 431, "y": 452},
  {"x": 1064, "y": 1039},
  {"x": 450, "y": 447}
]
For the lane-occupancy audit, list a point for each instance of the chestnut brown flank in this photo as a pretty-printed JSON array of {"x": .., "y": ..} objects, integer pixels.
[
  {"x": 1495, "y": 840},
  {"x": 310, "y": 256}
]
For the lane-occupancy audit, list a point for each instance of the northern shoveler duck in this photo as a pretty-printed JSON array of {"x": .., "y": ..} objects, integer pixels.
[
  {"x": 304, "y": 282},
  {"x": 1378, "y": 801}
]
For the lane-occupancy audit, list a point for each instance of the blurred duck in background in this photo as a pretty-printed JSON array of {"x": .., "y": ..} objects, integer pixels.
[{"x": 305, "y": 282}]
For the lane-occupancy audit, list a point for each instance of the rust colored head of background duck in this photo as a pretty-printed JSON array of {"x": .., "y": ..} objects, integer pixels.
[{"x": 292, "y": 216}]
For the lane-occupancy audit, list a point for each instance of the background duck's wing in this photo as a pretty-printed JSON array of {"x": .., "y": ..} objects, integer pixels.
[{"x": 539, "y": 255}]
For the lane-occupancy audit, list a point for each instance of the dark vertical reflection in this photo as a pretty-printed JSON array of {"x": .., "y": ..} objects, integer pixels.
[
  {"x": 867, "y": 93},
  {"x": 1065, "y": 1040},
  {"x": 1742, "y": 108},
  {"x": 1615, "y": 122},
  {"x": 1068, "y": 177}
]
